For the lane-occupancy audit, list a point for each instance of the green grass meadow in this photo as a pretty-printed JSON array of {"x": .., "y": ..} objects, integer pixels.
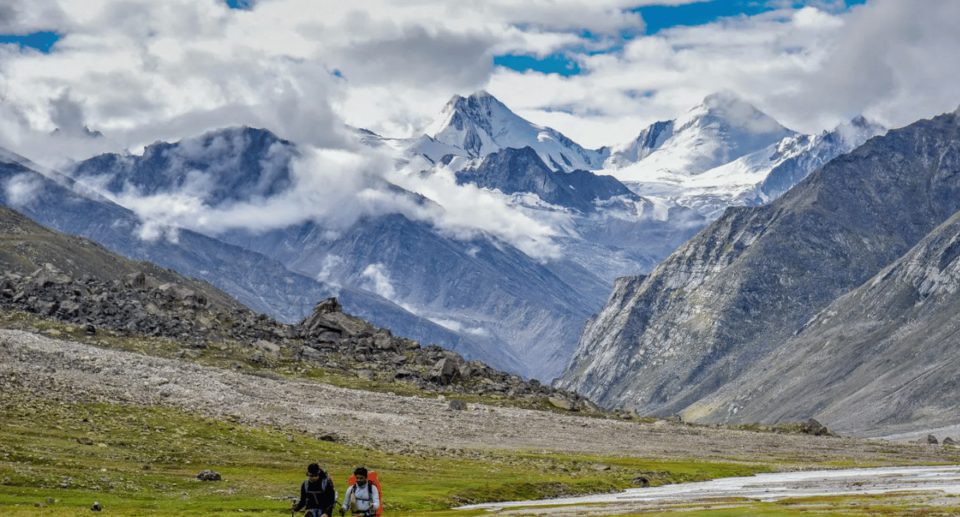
[{"x": 58, "y": 459}]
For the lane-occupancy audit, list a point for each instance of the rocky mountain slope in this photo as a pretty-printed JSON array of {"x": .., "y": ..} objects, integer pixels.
[
  {"x": 880, "y": 359},
  {"x": 197, "y": 316},
  {"x": 730, "y": 298},
  {"x": 254, "y": 279},
  {"x": 28, "y": 248}
]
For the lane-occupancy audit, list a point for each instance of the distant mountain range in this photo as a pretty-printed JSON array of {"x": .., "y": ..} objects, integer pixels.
[
  {"x": 830, "y": 302},
  {"x": 614, "y": 211}
]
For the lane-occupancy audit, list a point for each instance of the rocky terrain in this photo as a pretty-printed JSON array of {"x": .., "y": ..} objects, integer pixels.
[
  {"x": 127, "y": 298},
  {"x": 880, "y": 359},
  {"x": 138, "y": 305},
  {"x": 729, "y": 299},
  {"x": 257, "y": 281},
  {"x": 38, "y": 367}
]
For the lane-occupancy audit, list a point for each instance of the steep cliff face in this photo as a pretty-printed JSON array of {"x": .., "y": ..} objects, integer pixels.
[
  {"x": 882, "y": 358},
  {"x": 730, "y": 297}
]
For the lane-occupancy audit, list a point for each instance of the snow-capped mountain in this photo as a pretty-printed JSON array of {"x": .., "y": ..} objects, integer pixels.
[
  {"x": 475, "y": 126},
  {"x": 522, "y": 170},
  {"x": 810, "y": 306},
  {"x": 650, "y": 139},
  {"x": 718, "y": 131},
  {"x": 474, "y": 291},
  {"x": 220, "y": 166},
  {"x": 763, "y": 176},
  {"x": 724, "y": 152}
]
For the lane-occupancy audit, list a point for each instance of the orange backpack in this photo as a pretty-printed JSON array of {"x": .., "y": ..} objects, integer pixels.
[{"x": 371, "y": 478}]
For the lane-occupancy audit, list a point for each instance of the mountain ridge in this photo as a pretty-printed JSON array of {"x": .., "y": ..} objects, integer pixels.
[{"x": 736, "y": 292}]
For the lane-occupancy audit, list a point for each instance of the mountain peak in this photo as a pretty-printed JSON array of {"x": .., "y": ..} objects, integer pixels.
[
  {"x": 480, "y": 125},
  {"x": 730, "y": 112},
  {"x": 723, "y": 128},
  {"x": 858, "y": 130}
]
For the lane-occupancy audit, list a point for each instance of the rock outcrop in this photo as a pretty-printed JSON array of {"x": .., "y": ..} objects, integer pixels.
[{"x": 140, "y": 305}]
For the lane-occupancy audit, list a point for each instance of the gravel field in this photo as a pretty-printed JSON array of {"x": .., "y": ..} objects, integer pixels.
[{"x": 72, "y": 372}]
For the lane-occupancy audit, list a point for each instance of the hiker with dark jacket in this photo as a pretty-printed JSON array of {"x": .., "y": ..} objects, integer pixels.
[
  {"x": 364, "y": 496},
  {"x": 317, "y": 494}
]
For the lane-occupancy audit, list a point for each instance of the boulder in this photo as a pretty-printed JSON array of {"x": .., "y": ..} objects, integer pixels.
[
  {"x": 948, "y": 441},
  {"x": 815, "y": 428},
  {"x": 209, "y": 475},
  {"x": 267, "y": 346},
  {"x": 330, "y": 305},
  {"x": 403, "y": 374},
  {"x": 135, "y": 280},
  {"x": 444, "y": 373},
  {"x": 457, "y": 405}
]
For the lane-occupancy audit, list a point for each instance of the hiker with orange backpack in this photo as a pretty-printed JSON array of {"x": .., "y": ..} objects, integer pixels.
[{"x": 363, "y": 494}]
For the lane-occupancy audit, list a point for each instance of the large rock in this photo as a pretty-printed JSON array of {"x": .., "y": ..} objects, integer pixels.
[
  {"x": 209, "y": 475},
  {"x": 445, "y": 372}
]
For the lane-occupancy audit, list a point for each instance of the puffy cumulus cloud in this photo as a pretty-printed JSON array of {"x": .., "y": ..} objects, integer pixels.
[
  {"x": 143, "y": 70},
  {"x": 894, "y": 61},
  {"x": 26, "y": 16},
  {"x": 811, "y": 68},
  {"x": 662, "y": 76}
]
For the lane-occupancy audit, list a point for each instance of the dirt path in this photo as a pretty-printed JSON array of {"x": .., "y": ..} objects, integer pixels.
[{"x": 72, "y": 372}]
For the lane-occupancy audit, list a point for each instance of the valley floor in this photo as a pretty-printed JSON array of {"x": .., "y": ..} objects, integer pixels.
[{"x": 77, "y": 373}]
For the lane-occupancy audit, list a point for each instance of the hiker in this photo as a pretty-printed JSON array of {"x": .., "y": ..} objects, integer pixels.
[
  {"x": 363, "y": 495},
  {"x": 317, "y": 493}
]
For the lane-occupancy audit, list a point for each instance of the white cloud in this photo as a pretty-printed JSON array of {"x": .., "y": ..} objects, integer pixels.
[
  {"x": 809, "y": 68},
  {"x": 141, "y": 71},
  {"x": 22, "y": 189},
  {"x": 377, "y": 280}
]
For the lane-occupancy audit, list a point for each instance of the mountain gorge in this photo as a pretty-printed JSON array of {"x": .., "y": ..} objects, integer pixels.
[{"x": 724, "y": 304}]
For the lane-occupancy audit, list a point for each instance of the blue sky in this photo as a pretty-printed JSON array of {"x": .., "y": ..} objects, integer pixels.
[
  {"x": 587, "y": 68},
  {"x": 656, "y": 18},
  {"x": 42, "y": 41}
]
